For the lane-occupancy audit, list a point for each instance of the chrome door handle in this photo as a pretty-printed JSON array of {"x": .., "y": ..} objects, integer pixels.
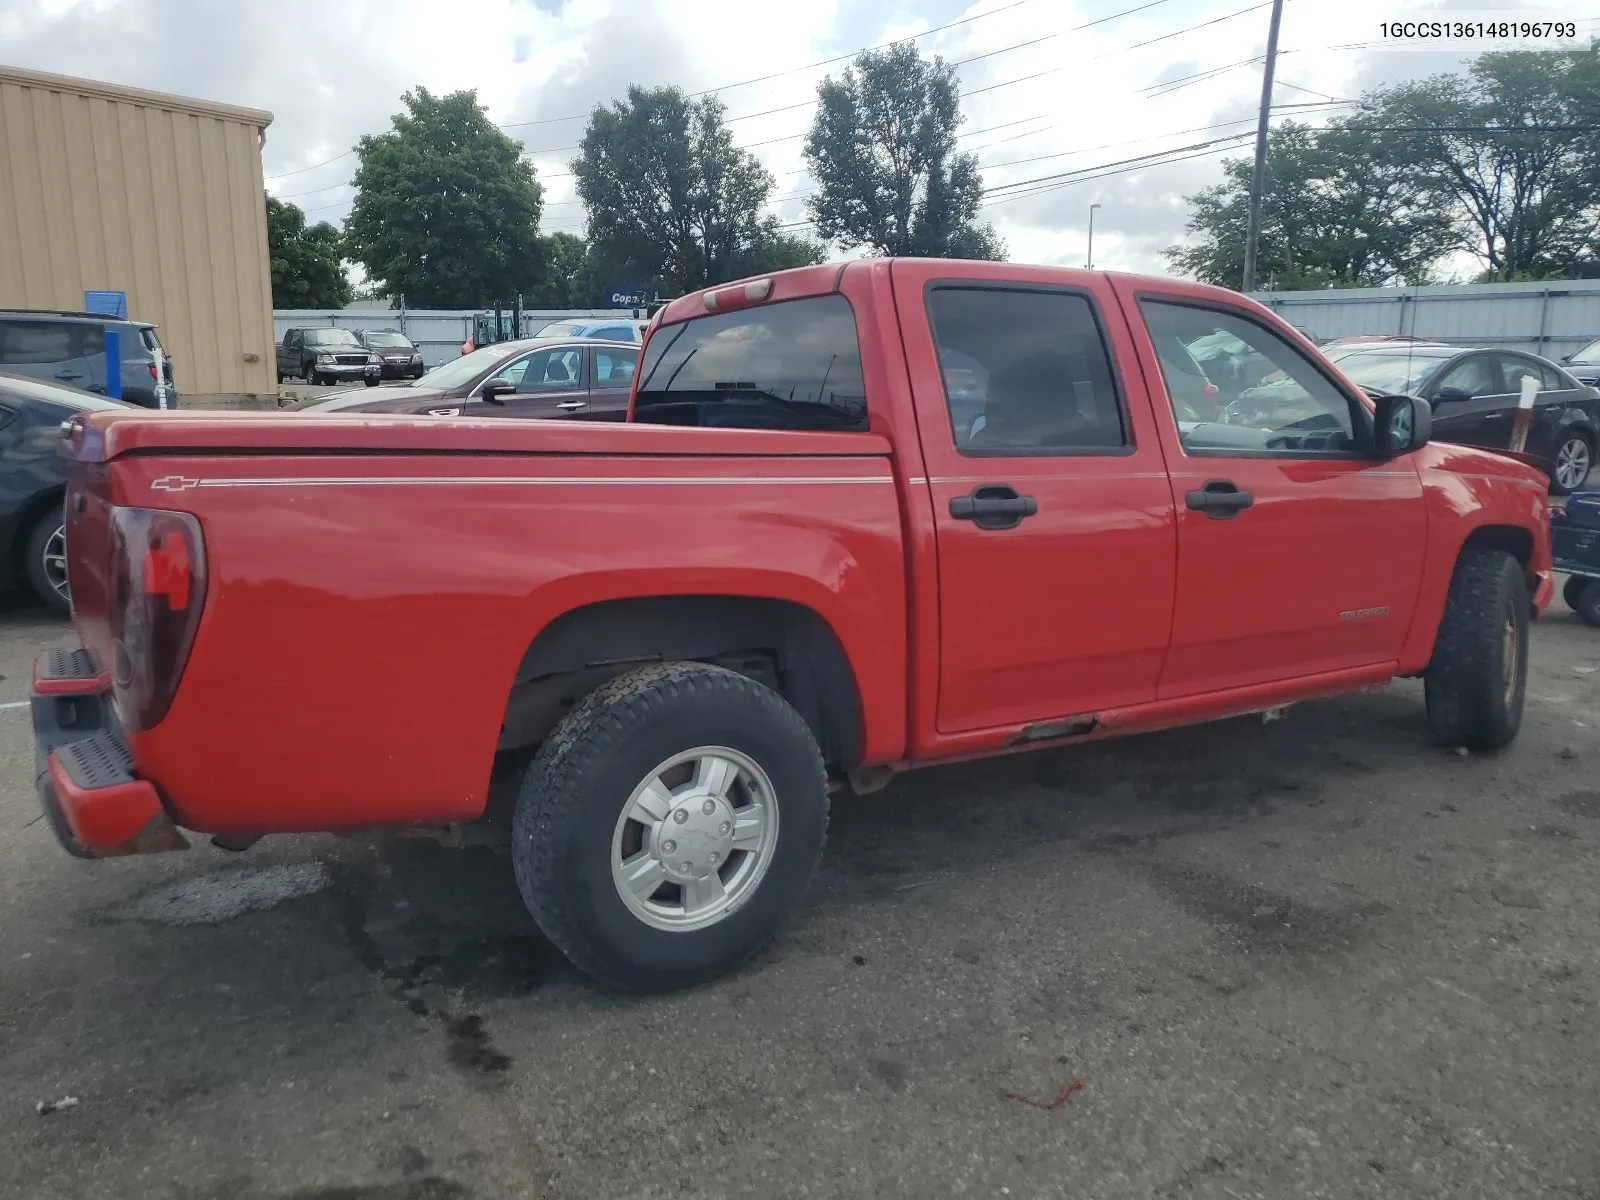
[{"x": 570, "y": 404}]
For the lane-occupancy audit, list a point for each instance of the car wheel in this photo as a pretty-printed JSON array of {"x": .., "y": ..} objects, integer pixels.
[
  {"x": 1573, "y": 461},
  {"x": 280, "y": 378},
  {"x": 1583, "y": 597},
  {"x": 1574, "y": 458},
  {"x": 370, "y": 381},
  {"x": 47, "y": 562},
  {"x": 1476, "y": 680},
  {"x": 669, "y": 825}
]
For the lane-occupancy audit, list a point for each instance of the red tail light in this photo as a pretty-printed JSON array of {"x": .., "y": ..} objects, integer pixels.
[
  {"x": 154, "y": 374},
  {"x": 158, "y": 586}
]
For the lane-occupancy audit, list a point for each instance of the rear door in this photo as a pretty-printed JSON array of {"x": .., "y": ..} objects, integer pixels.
[
  {"x": 611, "y": 370},
  {"x": 1299, "y": 551},
  {"x": 1053, "y": 517},
  {"x": 69, "y": 352}
]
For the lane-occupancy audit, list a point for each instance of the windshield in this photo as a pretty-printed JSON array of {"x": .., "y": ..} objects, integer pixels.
[
  {"x": 1395, "y": 374},
  {"x": 562, "y": 329},
  {"x": 466, "y": 368},
  {"x": 330, "y": 337},
  {"x": 794, "y": 365},
  {"x": 398, "y": 340},
  {"x": 1589, "y": 356}
]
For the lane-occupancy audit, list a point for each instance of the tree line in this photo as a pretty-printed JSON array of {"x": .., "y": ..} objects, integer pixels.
[
  {"x": 1503, "y": 163},
  {"x": 447, "y": 210}
]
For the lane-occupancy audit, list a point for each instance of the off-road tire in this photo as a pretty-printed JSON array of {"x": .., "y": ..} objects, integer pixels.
[
  {"x": 1473, "y": 699},
  {"x": 582, "y": 777},
  {"x": 1583, "y": 597}
]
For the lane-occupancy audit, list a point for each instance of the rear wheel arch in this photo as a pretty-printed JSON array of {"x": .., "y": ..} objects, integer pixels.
[{"x": 785, "y": 645}]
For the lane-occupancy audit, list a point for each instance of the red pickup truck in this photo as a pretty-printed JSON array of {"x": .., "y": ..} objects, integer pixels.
[{"x": 863, "y": 518}]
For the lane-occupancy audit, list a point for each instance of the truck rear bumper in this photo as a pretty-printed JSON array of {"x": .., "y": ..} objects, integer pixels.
[{"x": 96, "y": 805}]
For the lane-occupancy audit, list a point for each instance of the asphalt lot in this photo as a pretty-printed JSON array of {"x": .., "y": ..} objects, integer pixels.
[{"x": 1316, "y": 957}]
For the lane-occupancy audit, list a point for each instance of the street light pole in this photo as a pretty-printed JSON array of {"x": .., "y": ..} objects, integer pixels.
[
  {"x": 1089, "y": 258},
  {"x": 1259, "y": 177}
]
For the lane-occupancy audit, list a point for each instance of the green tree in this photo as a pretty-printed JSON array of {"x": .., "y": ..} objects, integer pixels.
[
  {"x": 305, "y": 260},
  {"x": 882, "y": 150},
  {"x": 1516, "y": 145},
  {"x": 447, "y": 210},
  {"x": 564, "y": 274},
  {"x": 671, "y": 201},
  {"x": 1341, "y": 207}
]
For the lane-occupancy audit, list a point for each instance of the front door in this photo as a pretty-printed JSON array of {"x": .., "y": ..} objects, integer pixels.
[
  {"x": 1299, "y": 551},
  {"x": 551, "y": 383},
  {"x": 1053, "y": 518},
  {"x": 1475, "y": 410}
]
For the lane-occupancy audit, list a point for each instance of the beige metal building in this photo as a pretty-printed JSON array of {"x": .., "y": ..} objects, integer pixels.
[{"x": 111, "y": 188}]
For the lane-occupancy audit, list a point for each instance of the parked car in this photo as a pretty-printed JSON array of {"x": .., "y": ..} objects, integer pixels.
[
  {"x": 323, "y": 355},
  {"x": 609, "y": 331},
  {"x": 1475, "y": 393},
  {"x": 788, "y": 571},
  {"x": 33, "y": 479},
  {"x": 1585, "y": 364},
  {"x": 398, "y": 357},
  {"x": 534, "y": 377},
  {"x": 1575, "y": 549},
  {"x": 70, "y": 348}
]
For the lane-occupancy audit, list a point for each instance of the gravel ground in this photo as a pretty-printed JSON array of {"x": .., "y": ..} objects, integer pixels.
[{"x": 1316, "y": 957}]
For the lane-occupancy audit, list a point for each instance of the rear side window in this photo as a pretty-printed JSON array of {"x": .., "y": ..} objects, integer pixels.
[
  {"x": 34, "y": 343},
  {"x": 614, "y": 368},
  {"x": 1025, "y": 373},
  {"x": 792, "y": 365}
]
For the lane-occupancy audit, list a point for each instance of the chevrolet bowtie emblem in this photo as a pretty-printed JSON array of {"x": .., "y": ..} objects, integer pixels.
[{"x": 173, "y": 483}]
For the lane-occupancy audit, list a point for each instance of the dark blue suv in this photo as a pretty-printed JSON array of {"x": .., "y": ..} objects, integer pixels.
[{"x": 70, "y": 348}]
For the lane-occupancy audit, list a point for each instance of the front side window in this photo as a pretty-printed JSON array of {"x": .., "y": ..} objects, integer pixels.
[
  {"x": 790, "y": 365},
  {"x": 555, "y": 370},
  {"x": 1025, "y": 373},
  {"x": 614, "y": 368},
  {"x": 1474, "y": 376},
  {"x": 1269, "y": 398}
]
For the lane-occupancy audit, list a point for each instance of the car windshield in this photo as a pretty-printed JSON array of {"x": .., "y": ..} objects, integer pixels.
[
  {"x": 466, "y": 368},
  {"x": 331, "y": 337},
  {"x": 1589, "y": 356},
  {"x": 1395, "y": 374},
  {"x": 397, "y": 340},
  {"x": 564, "y": 329}
]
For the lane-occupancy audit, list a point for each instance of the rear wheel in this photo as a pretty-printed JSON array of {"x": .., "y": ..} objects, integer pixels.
[
  {"x": 1583, "y": 597},
  {"x": 47, "y": 562},
  {"x": 1574, "y": 458},
  {"x": 669, "y": 825},
  {"x": 1476, "y": 679}
]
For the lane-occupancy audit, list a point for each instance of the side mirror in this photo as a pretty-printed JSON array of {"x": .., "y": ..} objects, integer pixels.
[
  {"x": 1403, "y": 424},
  {"x": 1566, "y": 358},
  {"x": 1451, "y": 393},
  {"x": 495, "y": 388}
]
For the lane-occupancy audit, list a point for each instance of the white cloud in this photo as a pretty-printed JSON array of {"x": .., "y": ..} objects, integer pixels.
[{"x": 1074, "y": 100}]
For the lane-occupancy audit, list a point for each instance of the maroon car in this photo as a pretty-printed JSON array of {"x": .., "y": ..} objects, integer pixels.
[{"x": 583, "y": 378}]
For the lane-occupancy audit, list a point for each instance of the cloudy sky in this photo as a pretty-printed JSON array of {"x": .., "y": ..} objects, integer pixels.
[{"x": 1063, "y": 92}]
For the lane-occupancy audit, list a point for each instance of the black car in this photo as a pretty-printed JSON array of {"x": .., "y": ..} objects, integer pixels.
[
  {"x": 398, "y": 356},
  {"x": 33, "y": 479},
  {"x": 1585, "y": 364},
  {"x": 70, "y": 348},
  {"x": 325, "y": 355},
  {"x": 1475, "y": 393}
]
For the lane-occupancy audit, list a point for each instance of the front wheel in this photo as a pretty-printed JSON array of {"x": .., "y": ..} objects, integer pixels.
[
  {"x": 1476, "y": 680},
  {"x": 311, "y": 377},
  {"x": 47, "y": 562},
  {"x": 1574, "y": 458},
  {"x": 669, "y": 825}
]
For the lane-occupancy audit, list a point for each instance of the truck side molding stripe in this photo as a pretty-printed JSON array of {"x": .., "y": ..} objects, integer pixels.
[{"x": 182, "y": 483}]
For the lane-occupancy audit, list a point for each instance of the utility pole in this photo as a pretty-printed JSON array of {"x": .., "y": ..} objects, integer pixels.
[
  {"x": 1088, "y": 263},
  {"x": 1259, "y": 178}
]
